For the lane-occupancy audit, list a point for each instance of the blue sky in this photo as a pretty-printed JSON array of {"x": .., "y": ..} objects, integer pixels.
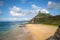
[{"x": 16, "y": 10}]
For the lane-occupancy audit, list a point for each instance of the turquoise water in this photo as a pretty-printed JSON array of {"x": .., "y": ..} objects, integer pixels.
[{"x": 11, "y": 30}]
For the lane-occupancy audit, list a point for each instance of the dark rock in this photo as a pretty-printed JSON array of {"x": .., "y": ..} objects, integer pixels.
[
  {"x": 56, "y": 36},
  {"x": 21, "y": 25}
]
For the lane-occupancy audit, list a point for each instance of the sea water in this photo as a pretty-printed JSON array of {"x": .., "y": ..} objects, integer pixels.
[{"x": 11, "y": 30}]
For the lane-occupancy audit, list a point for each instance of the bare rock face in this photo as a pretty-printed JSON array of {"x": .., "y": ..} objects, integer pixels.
[{"x": 56, "y": 36}]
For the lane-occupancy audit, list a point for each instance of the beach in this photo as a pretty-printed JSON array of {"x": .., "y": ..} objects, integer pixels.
[
  {"x": 39, "y": 31},
  {"x": 27, "y": 32}
]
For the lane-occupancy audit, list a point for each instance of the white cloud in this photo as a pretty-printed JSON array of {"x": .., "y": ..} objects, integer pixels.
[
  {"x": 13, "y": 19},
  {"x": 16, "y": 11},
  {"x": 27, "y": 14},
  {"x": 19, "y": 12},
  {"x": 36, "y": 8},
  {"x": 44, "y": 11},
  {"x": 7, "y": 19},
  {"x": 25, "y": 18},
  {"x": 0, "y": 12},
  {"x": 53, "y": 5}
]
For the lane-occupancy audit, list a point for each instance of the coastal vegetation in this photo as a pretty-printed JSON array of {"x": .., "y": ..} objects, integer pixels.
[{"x": 44, "y": 18}]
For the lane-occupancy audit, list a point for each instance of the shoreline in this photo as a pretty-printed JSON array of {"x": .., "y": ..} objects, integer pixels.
[{"x": 39, "y": 31}]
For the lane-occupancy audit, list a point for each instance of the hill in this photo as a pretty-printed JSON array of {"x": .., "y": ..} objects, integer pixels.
[{"x": 46, "y": 19}]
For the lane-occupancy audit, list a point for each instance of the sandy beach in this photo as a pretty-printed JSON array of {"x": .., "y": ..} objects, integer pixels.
[
  {"x": 30, "y": 32},
  {"x": 39, "y": 31}
]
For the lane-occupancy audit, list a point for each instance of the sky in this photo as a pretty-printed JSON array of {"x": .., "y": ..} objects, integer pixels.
[{"x": 19, "y": 10}]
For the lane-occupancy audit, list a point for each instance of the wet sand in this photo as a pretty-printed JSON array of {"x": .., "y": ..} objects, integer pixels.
[
  {"x": 16, "y": 33},
  {"x": 39, "y": 31}
]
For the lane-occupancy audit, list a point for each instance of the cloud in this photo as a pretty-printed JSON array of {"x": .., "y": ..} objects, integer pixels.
[
  {"x": 36, "y": 8},
  {"x": 53, "y": 5},
  {"x": 0, "y": 12},
  {"x": 25, "y": 14},
  {"x": 16, "y": 11},
  {"x": 13, "y": 19},
  {"x": 7, "y": 19},
  {"x": 1, "y": 3},
  {"x": 44, "y": 11},
  {"x": 19, "y": 12},
  {"x": 25, "y": 18}
]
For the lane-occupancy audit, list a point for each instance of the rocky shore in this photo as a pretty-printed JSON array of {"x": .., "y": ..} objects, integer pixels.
[{"x": 56, "y": 36}]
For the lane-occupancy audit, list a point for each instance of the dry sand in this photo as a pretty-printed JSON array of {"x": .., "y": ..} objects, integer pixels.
[{"x": 39, "y": 31}]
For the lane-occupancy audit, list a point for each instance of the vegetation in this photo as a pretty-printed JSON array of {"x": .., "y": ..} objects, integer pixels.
[{"x": 48, "y": 19}]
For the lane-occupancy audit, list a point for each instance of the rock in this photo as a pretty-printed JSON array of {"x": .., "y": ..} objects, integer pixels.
[{"x": 56, "y": 36}]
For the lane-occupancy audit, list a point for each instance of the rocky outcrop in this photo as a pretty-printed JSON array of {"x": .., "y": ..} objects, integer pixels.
[
  {"x": 56, "y": 36},
  {"x": 35, "y": 20}
]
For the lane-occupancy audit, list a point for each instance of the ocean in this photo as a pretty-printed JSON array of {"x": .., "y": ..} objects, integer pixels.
[{"x": 12, "y": 30}]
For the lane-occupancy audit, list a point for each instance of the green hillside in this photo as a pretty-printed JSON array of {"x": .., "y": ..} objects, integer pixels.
[{"x": 47, "y": 19}]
